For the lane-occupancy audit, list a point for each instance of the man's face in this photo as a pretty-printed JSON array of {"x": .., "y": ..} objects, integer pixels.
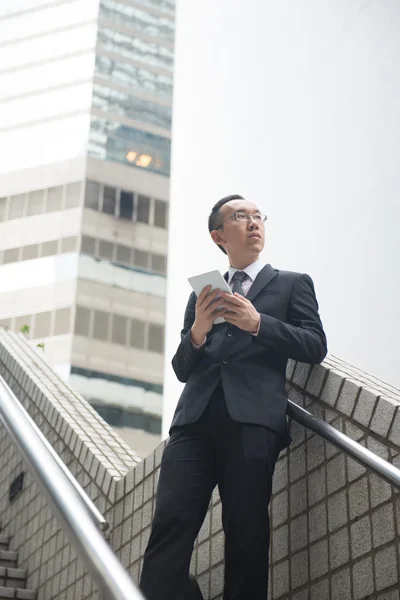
[{"x": 241, "y": 237}]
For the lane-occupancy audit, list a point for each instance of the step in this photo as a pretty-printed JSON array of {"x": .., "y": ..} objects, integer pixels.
[
  {"x": 6, "y": 593},
  {"x": 8, "y": 558},
  {"x": 4, "y": 541},
  {"x": 12, "y": 578}
]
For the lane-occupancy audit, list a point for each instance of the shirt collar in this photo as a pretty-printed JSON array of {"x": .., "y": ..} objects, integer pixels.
[{"x": 252, "y": 270}]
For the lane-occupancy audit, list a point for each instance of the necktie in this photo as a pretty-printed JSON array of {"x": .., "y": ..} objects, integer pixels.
[{"x": 237, "y": 280}]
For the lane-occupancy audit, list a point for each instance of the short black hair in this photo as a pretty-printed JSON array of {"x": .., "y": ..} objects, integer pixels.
[{"x": 214, "y": 219}]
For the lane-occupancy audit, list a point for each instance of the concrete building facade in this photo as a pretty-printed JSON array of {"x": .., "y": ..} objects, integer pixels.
[{"x": 85, "y": 121}]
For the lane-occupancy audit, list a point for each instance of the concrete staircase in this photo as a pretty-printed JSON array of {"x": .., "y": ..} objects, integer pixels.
[{"x": 12, "y": 579}]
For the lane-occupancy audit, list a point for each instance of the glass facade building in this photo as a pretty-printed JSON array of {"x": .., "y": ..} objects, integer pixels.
[{"x": 85, "y": 125}]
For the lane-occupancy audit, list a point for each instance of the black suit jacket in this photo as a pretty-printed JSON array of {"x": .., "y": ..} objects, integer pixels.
[{"x": 252, "y": 368}]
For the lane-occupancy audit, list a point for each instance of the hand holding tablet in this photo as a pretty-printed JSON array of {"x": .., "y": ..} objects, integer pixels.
[{"x": 213, "y": 279}]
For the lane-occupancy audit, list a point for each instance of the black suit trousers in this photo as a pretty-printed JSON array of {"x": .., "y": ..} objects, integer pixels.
[{"x": 240, "y": 459}]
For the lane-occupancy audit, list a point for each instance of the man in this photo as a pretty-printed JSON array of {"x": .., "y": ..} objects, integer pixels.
[{"x": 230, "y": 422}]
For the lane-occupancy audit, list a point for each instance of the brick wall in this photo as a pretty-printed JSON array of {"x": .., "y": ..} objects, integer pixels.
[{"x": 335, "y": 526}]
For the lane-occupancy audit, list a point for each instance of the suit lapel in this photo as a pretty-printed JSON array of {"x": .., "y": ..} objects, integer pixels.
[{"x": 265, "y": 276}]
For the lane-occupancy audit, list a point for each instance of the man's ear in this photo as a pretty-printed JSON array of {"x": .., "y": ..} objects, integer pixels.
[{"x": 217, "y": 237}]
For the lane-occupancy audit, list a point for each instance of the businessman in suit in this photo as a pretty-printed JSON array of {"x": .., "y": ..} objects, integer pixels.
[{"x": 230, "y": 422}]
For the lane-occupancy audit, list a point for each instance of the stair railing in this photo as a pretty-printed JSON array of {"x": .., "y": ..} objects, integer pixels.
[
  {"x": 72, "y": 506},
  {"x": 353, "y": 449}
]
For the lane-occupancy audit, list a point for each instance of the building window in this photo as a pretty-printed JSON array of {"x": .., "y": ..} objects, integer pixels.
[
  {"x": 54, "y": 199},
  {"x": 42, "y": 325},
  {"x": 159, "y": 263},
  {"x": 160, "y": 214},
  {"x": 30, "y": 252},
  {"x": 109, "y": 201},
  {"x": 49, "y": 248},
  {"x": 62, "y": 321},
  {"x": 92, "y": 194},
  {"x": 11, "y": 255},
  {"x": 124, "y": 254},
  {"x": 156, "y": 338},
  {"x": 17, "y": 206},
  {"x": 3, "y": 209},
  {"x": 88, "y": 245},
  {"x": 69, "y": 244},
  {"x": 141, "y": 259},
  {"x": 119, "y": 329},
  {"x": 143, "y": 209},
  {"x": 100, "y": 325},
  {"x": 106, "y": 250},
  {"x": 82, "y": 321},
  {"x": 36, "y": 202},
  {"x": 73, "y": 195},
  {"x": 137, "y": 334},
  {"x": 126, "y": 205}
]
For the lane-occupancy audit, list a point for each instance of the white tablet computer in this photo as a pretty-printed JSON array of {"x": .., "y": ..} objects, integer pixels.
[{"x": 213, "y": 278}]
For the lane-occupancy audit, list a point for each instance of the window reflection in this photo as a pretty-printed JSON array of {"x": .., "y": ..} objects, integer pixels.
[
  {"x": 3, "y": 209},
  {"x": 109, "y": 200},
  {"x": 126, "y": 205},
  {"x": 82, "y": 321},
  {"x": 143, "y": 209},
  {"x": 35, "y": 202},
  {"x": 92, "y": 195},
  {"x": 135, "y": 48},
  {"x": 165, "y": 5},
  {"x": 17, "y": 206},
  {"x": 112, "y": 141},
  {"x": 123, "y": 103},
  {"x": 54, "y": 199},
  {"x": 101, "y": 323},
  {"x": 130, "y": 16},
  {"x": 116, "y": 71},
  {"x": 160, "y": 214}
]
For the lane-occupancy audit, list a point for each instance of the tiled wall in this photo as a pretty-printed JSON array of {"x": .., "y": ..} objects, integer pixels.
[
  {"x": 96, "y": 456},
  {"x": 335, "y": 526}
]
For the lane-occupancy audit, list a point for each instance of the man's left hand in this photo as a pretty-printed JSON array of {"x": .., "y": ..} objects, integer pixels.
[{"x": 241, "y": 312}]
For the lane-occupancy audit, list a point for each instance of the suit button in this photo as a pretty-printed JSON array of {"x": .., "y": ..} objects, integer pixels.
[
  {"x": 224, "y": 362},
  {"x": 229, "y": 333}
]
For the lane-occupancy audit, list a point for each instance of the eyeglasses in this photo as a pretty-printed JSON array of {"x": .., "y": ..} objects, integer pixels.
[{"x": 242, "y": 217}]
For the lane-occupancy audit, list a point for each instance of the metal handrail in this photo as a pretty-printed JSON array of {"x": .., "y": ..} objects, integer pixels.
[
  {"x": 359, "y": 453},
  {"x": 69, "y": 507},
  {"x": 94, "y": 511}
]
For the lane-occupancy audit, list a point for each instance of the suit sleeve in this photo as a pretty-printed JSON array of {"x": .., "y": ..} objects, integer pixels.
[
  {"x": 303, "y": 337},
  {"x": 187, "y": 355}
]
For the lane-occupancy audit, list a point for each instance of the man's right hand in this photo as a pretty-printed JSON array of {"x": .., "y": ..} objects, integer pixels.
[{"x": 206, "y": 313}]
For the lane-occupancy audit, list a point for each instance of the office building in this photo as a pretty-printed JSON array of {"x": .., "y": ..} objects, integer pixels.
[{"x": 85, "y": 126}]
